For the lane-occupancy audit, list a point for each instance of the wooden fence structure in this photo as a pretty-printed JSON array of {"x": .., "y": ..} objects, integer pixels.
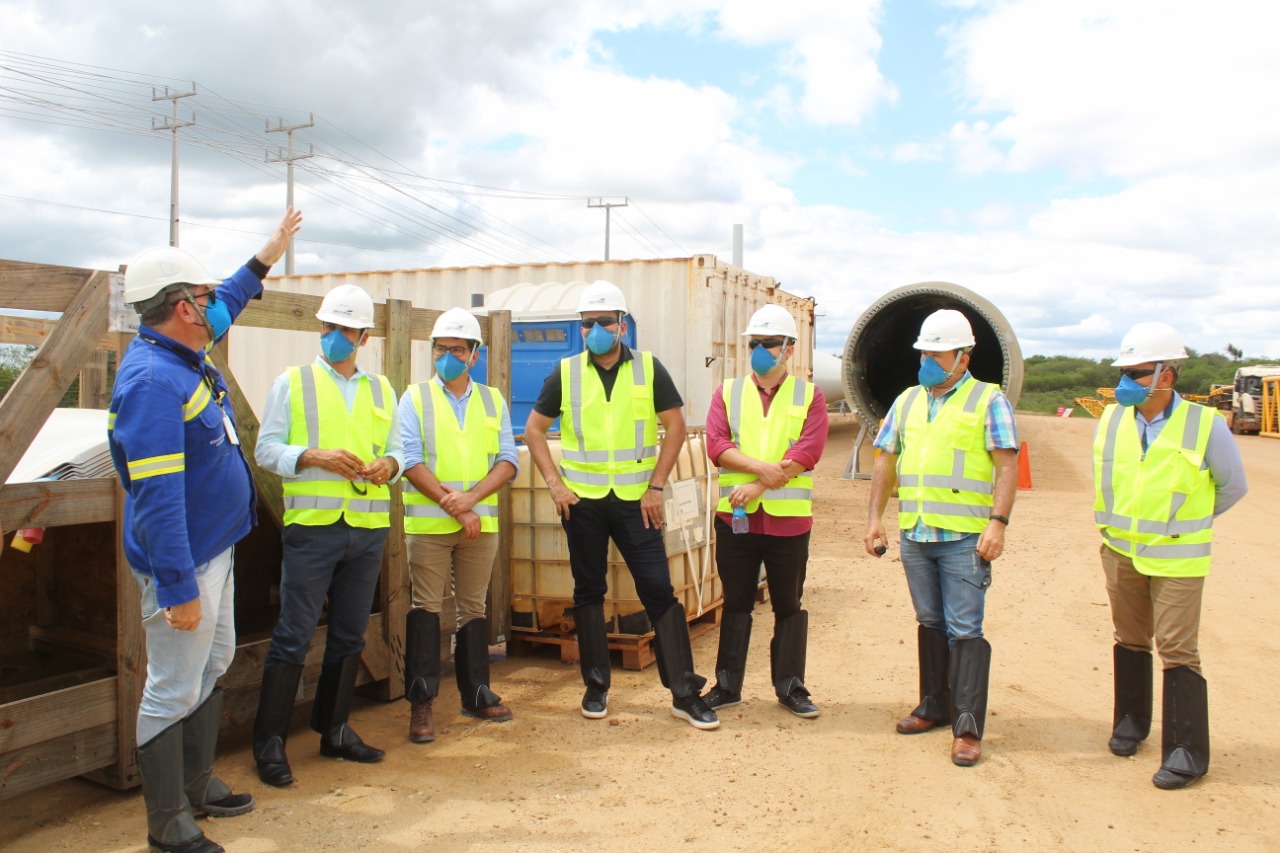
[{"x": 79, "y": 720}]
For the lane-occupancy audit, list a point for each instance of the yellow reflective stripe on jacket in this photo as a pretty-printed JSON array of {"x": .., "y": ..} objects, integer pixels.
[
  {"x": 199, "y": 399},
  {"x": 458, "y": 456},
  {"x": 608, "y": 445},
  {"x": 768, "y": 437},
  {"x": 153, "y": 466},
  {"x": 1156, "y": 508},
  {"x": 945, "y": 472},
  {"x": 319, "y": 419}
]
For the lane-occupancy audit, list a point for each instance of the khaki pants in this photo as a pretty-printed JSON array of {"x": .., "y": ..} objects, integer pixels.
[
  {"x": 1144, "y": 607},
  {"x": 438, "y": 561}
]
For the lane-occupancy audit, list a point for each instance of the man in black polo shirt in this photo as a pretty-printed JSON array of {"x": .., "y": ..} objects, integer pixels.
[{"x": 609, "y": 485}]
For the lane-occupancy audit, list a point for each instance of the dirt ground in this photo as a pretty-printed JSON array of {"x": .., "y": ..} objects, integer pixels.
[{"x": 642, "y": 780}]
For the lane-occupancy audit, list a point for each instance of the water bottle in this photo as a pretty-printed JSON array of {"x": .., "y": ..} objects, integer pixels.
[{"x": 740, "y": 523}]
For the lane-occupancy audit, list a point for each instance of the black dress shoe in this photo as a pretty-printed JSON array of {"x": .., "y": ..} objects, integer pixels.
[
  {"x": 695, "y": 712},
  {"x": 1123, "y": 746},
  {"x": 1172, "y": 780},
  {"x": 719, "y": 697},
  {"x": 347, "y": 744},
  {"x": 595, "y": 703},
  {"x": 798, "y": 703}
]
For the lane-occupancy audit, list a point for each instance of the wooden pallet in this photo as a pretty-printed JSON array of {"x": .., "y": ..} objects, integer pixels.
[{"x": 636, "y": 649}]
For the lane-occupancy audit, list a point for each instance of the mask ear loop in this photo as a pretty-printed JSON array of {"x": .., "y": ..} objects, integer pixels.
[{"x": 1155, "y": 377}]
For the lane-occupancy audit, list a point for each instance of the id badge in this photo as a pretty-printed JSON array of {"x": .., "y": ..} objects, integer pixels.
[{"x": 230, "y": 428}]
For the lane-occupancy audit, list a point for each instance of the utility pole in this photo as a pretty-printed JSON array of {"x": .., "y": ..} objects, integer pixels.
[
  {"x": 173, "y": 125},
  {"x": 608, "y": 207},
  {"x": 288, "y": 158}
]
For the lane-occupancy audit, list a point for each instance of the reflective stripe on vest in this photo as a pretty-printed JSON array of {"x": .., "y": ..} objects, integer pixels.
[
  {"x": 768, "y": 437},
  {"x": 1156, "y": 508},
  {"x": 945, "y": 472},
  {"x": 318, "y": 418},
  {"x": 458, "y": 456},
  {"x": 608, "y": 444}
]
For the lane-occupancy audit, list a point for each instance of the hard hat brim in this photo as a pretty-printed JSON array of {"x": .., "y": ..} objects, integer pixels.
[{"x": 338, "y": 320}]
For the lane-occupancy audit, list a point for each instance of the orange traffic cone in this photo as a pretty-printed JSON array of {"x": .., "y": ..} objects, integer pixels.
[{"x": 1024, "y": 467}]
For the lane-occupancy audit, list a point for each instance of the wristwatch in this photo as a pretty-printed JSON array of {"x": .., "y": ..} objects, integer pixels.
[{"x": 1003, "y": 519}]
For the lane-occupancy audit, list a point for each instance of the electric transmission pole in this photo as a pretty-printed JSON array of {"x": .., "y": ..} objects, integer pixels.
[
  {"x": 288, "y": 158},
  {"x": 173, "y": 125},
  {"x": 608, "y": 207}
]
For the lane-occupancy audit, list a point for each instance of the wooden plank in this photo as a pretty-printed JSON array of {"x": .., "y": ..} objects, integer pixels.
[
  {"x": 397, "y": 354},
  {"x": 295, "y": 312},
  {"x": 42, "y": 384},
  {"x": 499, "y": 377},
  {"x": 74, "y": 754},
  {"x": 53, "y": 503},
  {"x": 93, "y": 382},
  {"x": 40, "y": 287},
  {"x": 424, "y": 320},
  {"x": 34, "y": 331},
  {"x": 268, "y": 483},
  {"x": 50, "y": 715},
  {"x": 70, "y": 642},
  {"x": 131, "y": 664}
]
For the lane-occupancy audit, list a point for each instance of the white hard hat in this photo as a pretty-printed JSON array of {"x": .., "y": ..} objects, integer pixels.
[
  {"x": 457, "y": 323},
  {"x": 1150, "y": 342},
  {"x": 155, "y": 269},
  {"x": 347, "y": 305},
  {"x": 602, "y": 295},
  {"x": 945, "y": 330},
  {"x": 772, "y": 320}
]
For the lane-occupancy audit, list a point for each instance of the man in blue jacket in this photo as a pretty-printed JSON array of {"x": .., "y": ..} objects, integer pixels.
[{"x": 189, "y": 498}]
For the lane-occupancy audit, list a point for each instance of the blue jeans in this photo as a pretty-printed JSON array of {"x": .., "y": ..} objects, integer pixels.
[
  {"x": 337, "y": 561},
  {"x": 183, "y": 666},
  {"x": 948, "y": 583}
]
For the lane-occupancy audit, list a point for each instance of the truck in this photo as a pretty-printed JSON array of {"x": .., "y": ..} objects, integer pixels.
[{"x": 1246, "y": 398}]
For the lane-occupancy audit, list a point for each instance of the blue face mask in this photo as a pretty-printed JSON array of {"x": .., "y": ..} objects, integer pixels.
[
  {"x": 449, "y": 367},
  {"x": 600, "y": 341},
  {"x": 1130, "y": 393},
  {"x": 931, "y": 373},
  {"x": 762, "y": 361},
  {"x": 218, "y": 316},
  {"x": 335, "y": 347}
]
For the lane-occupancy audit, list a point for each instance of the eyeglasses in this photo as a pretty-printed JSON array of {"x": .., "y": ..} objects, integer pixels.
[
  {"x": 194, "y": 298},
  {"x": 1138, "y": 372},
  {"x": 458, "y": 352},
  {"x": 607, "y": 322},
  {"x": 767, "y": 343},
  {"x": 360, "y": 488}
]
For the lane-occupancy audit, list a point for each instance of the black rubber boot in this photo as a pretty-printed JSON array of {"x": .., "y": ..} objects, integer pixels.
[
  {"x": 731, "y": 661},
  {"x": 171, "y": 826},
  {"x": 593, "y": 659},
  {"x": 471, "y": 667},
  {"x": 331, "y": 710},
  {"x": 675, "y": 668},
  {"x": 935, "y": 675},
  {"x": 1132, "y": 718},
  {"x": 1185, "y": 738},
  {"x": 271, "y": 727},
  {"x": 207, "y": 794},
  {"x": 788, "y": 653},
  {"x": 970, "y": 681},
  {"x": 421, "y": 672}
]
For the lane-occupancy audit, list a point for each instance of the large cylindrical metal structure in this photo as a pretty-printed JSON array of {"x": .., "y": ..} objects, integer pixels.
[{"x": 879, "y": 361}]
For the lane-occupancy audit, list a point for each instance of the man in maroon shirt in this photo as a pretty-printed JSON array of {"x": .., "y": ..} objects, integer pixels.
[{"x": 766, "y": 432}]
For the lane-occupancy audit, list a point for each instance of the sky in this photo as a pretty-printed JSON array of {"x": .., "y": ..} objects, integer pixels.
[{"x": 1083, "y": 165}]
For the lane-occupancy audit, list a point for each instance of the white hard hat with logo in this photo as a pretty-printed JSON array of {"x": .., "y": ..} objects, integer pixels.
[
  {"x": 602, "y": 295},
  {"x": 157, "y": 268},
  {"x": 347, "y": 305},
  {"x": 772, "y": 320},
  {"x": 945, "y": 330},
  {"x": 457, "y": 323},
  {"x": 1150, "y": 342}
]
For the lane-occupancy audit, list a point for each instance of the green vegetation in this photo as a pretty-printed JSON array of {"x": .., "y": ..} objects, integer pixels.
[
  {"x": 1050, "y": 381},
  {"x": 14, "y": 358}
]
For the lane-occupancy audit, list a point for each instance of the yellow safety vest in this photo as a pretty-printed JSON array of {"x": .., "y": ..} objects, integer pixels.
[
  {"x": 945, "y": 473},
  {"x": 458, "y": 456},
  {"x": 608, "y": 444},
  {"x": 768, "y": 437},
  {"x": 318, "y": 418},
  {"x": 1157, "y": 510}
]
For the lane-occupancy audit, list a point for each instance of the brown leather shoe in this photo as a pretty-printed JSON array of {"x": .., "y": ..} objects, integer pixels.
[
  {"x": 422, "y": 727},
  {"x": 913, "y": 725},
  {"x": 494, "y": 713},
  {"x": 965, "y": 751}
]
